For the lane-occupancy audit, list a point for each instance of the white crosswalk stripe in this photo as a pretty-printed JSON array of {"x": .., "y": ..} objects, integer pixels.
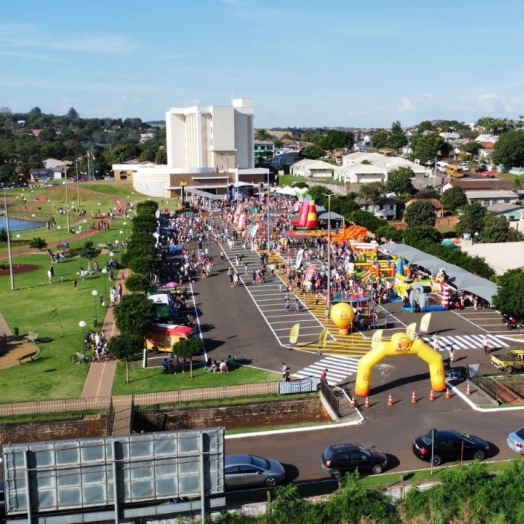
[
  {"x": 339, "y": 369},
  {"x": 468, "y": 342}
]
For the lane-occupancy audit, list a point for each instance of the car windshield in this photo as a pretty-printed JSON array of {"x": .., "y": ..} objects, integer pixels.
[
  {"x": 426, "y": 439},
  {"x": 260, "y": 462}
]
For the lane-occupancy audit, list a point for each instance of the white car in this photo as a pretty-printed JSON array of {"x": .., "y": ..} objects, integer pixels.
[{"x": 464, "y": 166}]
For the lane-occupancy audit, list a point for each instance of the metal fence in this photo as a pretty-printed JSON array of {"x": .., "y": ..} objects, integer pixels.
[
  {"x": 331, "y": 398},
  {"x": 107, "y": 404}
]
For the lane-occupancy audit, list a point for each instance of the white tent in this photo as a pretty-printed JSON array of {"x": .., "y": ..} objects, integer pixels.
[{"x": 288, "y": 190}]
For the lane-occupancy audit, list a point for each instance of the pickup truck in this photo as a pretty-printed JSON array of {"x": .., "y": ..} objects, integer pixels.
[{"x": 509, "y": 362}]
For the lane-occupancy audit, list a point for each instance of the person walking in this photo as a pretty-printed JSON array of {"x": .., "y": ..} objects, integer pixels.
[
  {"x": 284, "y": 367},
  {"x": 451, "y": 355},
  {"x": 485, "y": 344},
  {"x": 297, "y": 305},
  {"x": 287, "y": 375},
  {"x": 436, "y": 342},
  {"x": 323, "y": 376}
]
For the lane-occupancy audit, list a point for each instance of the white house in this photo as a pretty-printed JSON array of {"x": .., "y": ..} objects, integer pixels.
[
  {"x": 313, "y": 169},
  {"x": 364, "y": 168},
  {"x": 489, "y": 198}
]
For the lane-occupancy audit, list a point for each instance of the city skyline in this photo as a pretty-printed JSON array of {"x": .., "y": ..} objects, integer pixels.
[{"x": 306, "y": 64}]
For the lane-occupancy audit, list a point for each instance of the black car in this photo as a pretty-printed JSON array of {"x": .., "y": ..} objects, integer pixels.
[
  {"x": 481, "y": 169},
  {"x": 450, "y": 445},
  {"x": 341, "y": 458}
]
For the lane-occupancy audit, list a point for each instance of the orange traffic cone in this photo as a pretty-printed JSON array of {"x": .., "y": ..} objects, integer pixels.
[
  {"x": 448, "y": 393},
  {"x": 468, "y": 390},
  {"x": 353, "y": 403},
  {"x": 390, "y": 401},
  {"x": 413, "y": 398},
  {"x": 366, "y": 405},
  {"x": 431, "y": 396}
]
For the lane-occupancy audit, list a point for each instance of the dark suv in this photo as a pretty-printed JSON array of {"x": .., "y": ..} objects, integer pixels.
[{"x": 341, "y": 458}]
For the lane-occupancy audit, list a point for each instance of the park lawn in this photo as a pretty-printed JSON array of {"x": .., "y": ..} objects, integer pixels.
[
  {"x": 153, "y": 379},
  {"x": 53, "y": 311}
]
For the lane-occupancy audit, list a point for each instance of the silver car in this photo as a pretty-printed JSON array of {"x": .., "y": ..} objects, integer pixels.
[
  {"x": 250, "y": 470},
  {"x": 516, "y": 441}
]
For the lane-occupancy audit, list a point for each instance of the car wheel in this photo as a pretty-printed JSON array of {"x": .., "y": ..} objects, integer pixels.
[
  {"x": 271, "y": 482},
  {"x": 479, "y": 455},
  {"x": 436, "y": 460},
  {"x": 336, "y": 473},
  {"x": 377, "y": 469}
]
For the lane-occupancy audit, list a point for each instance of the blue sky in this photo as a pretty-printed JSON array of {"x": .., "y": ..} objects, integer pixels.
[{"x": 358, "y": 63}]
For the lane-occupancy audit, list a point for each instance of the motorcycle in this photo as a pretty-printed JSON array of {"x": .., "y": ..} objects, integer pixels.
[{"x": 513, "y": 323}]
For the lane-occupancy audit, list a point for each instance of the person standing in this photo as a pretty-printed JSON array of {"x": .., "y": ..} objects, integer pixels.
[
  {"x": 436, "y": 342},
  {"x": 323, "y": 376},
  {"x": 287, "y": 375},
  {"x": 451, "y": 355},
  {"x": 284, "y": 367},
  {"x": 485, "y": 344}
]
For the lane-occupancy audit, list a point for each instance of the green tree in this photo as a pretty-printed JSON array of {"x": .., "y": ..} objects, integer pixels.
[
  {"x": 38, "y": 243},
  {"x": 374, "y": 191},
  {"x": 73, "y": 114},
  {"x": 426, "y": 147},
  {"x": 89, "y": 251},
  {"x": 416, "y": 235},
  {"x": 494, "y": 229},
  {"x": 161, "y": 156},
  {"x": 319, "y": 195},
  {"x": 125, "y": 347},
  {"x": 134, "y": 315},
  {"x": 454, "y": 198},
  {"x": 380, "y": 138},
  {"x": 471, "y": 218},
  {"x": 367, "y": 220},
  {"x": 262, "y": 135},
  {"x": 145, "y": 264},
  {"x": 397, "y": 137},
  {"x": 3, "y": 235},
  {"x": 188, "y": 348},
  {"x": 138, "y": 283},
  {"x": 388, "y": 232},
  {"x": 335, "y": 139},
  {"x": 426, "y": 125},
  {"x": 400, "y": 182},
  {"x": 420, "y": 214},
  {"x": 509, "y": 149},
  {"x": 472, "y": 148},
  {"x": 313, "y": 152}
]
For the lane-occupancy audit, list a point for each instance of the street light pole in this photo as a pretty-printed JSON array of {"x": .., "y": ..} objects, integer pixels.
[
  {"x": 82, "y": 324},
  {"x": 268, "y": 219},
  {"x": 329, "y": 252},
  {"x": 95, "y": 294},
  {"x": 10, "y": 255},
  {"x": 67, "y": 204}
]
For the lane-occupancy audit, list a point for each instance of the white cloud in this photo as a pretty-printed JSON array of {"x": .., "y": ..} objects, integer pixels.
[{"x": 406, "y": 104}]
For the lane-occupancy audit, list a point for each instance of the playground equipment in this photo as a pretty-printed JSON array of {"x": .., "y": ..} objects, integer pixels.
[
  {"x": 423, "y": 295},
  {"x": 399, "y": 345},
  {"x": 307, "y": 215}
]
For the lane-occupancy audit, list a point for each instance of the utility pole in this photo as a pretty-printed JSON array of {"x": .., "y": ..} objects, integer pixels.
[{"x": 11, "y": 272}]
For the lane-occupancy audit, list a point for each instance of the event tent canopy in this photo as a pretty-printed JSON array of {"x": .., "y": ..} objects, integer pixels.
[
  {"x": 458, "y": 277},
  {"x": 326, "y": 215},
  {"x": 287, "y": 190}
]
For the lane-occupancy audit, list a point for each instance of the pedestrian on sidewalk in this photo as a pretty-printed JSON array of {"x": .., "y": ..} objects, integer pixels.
[
  {"x": 297, "y": 305},
  {"x": 284, "y": 367},
  {"x": 485, "y": 344}
]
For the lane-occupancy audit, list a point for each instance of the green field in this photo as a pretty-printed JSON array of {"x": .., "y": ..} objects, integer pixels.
[{"x": 55, "y": 310}]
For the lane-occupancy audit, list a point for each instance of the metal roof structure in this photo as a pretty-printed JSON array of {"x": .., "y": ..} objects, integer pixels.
[{"x": 458, "y": 277}]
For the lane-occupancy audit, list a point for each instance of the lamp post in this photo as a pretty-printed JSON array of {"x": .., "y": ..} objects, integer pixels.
[
  {"x": 83, "y": 325},
  {"x": 268, "y": 220},
  {"x": 104, "y": 271},
  {"x": 183, "y": 185},
  {"x": 32, "y": 216},
  {"x": 329, "y": 253},
  {"x": 67, "y": 203},
  {"x": 10, "y": 255},
  {"x": 95, "y": 294},
  {"x": 59, "y": 233},
  {"x": 18, "y": 242}
]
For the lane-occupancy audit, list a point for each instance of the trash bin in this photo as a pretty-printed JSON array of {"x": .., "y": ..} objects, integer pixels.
[{"x": 16, "y": 331}]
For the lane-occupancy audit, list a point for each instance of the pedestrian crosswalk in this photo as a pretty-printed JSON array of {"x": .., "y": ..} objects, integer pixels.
[
  {"x": 339, "y": 369},
  {"x": 467, "y": 342}
]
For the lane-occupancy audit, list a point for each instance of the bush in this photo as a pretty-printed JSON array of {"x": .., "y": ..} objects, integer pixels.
[
  {"x": 38, "y": 243},
  {"x": 138, "y": 283}
]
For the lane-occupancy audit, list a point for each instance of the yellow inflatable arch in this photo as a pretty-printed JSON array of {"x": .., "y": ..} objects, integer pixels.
[{"x": 399, "y": 345}]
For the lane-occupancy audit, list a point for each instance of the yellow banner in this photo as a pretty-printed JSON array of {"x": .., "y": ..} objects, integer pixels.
[
  {"x": 424, "y": 323},
  {"x": 411, "y": 331},
  {"x": 377, "y": 338},
  {"x": 322, "y": 341},
  {"x": 293, "y": 334}
]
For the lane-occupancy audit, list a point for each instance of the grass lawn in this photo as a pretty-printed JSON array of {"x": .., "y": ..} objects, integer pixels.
[
  {"x": 289, "y": 180},
  {"x": 150, "y": 380}
]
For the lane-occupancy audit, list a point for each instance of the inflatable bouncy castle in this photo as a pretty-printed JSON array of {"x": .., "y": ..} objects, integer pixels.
[{"x": 307, "y": 215}]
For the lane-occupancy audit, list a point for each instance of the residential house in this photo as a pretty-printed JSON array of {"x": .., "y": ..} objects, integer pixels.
[
  {"x": 513, "y": 213},
  {"x": 495, "y": 196},
  {"x": 387, "y": 210},
  {"x": 486, "y": 138},
  {"x": 52, "y": 163},
  {"x": 478, "y": 184},
  {"x": 264, "y": 149},
  {"x": 449, "y": 137},
  {"x": 313, "y": 169}
]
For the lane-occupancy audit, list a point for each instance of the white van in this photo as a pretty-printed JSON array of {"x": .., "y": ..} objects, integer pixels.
[{"x": 442, "y": 166}]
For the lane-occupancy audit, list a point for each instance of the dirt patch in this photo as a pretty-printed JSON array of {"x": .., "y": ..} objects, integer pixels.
[{"x": 18, "y": 269}]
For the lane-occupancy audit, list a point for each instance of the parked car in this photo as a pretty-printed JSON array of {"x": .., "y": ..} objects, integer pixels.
[
  {"x": 481, "y": 169},
  {"x": 249, "y": 470},
  {"x": 342, "y": 458},
  {"x": 450, "y": 445},
  {"x": 516, "y": 441}
]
